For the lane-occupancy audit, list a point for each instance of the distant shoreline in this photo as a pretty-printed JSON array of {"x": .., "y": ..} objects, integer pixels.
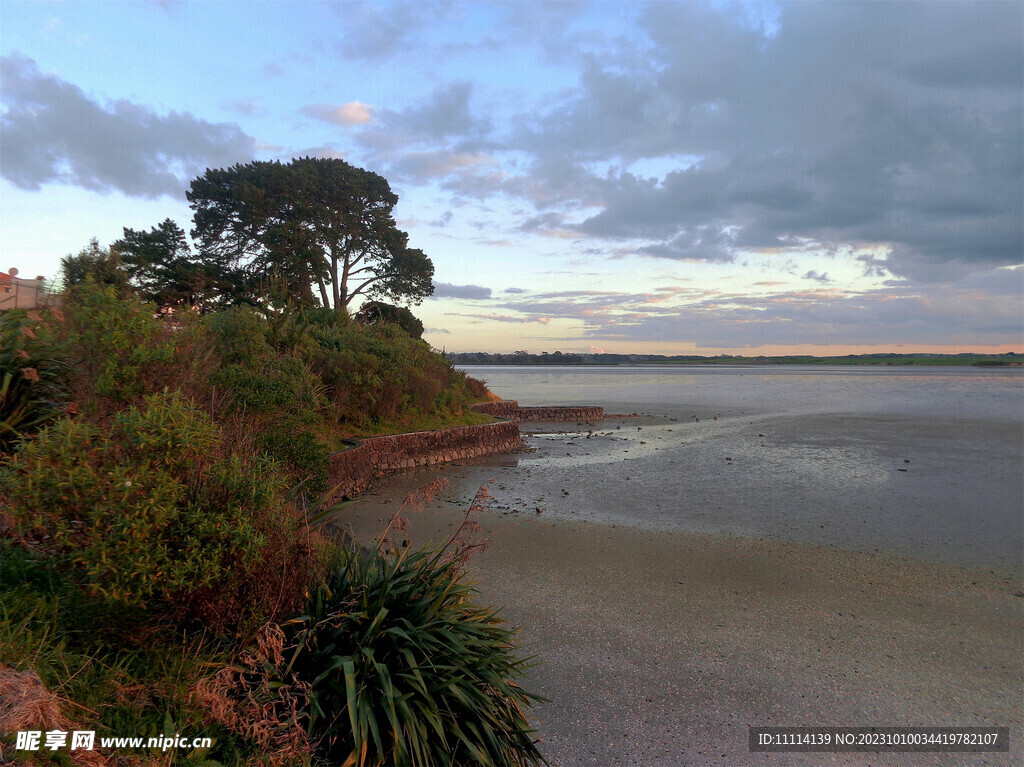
[{"x": 1010, "y": 359}]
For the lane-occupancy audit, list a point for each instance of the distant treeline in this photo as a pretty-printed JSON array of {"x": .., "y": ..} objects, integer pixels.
[{"x": 571, "y": 358}]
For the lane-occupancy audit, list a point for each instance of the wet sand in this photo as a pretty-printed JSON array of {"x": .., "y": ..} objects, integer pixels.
[{"x": 662, "y": 648}]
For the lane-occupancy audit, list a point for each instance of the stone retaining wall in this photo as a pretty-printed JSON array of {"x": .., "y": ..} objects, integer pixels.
[
  {"x": 570, "y": 413},
  {"x": 354, "y": 469},
  {"x": 510, "y": 409},
  {"x": 505, "y": 408}
]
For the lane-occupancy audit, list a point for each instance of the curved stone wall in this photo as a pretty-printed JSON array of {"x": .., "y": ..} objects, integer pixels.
[
  {"x": 570, "y": 413},
  {"x": 354, "y": 469},
  {"x": 510, "y": 409},
  {"x": 505, "y": 408}
]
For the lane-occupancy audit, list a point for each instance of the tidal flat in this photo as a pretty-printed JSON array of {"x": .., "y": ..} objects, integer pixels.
[{"x": 720, "y": 562}]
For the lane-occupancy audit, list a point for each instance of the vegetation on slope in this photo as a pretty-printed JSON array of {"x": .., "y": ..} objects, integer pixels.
[{"x": 156, "y": 485}]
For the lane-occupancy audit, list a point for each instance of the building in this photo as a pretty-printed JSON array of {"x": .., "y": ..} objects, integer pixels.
[{"x": 19, "y": 293}]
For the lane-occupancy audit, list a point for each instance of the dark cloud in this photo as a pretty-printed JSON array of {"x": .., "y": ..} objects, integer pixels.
[
  {"x": 54, "y": 133},
  {"x": 996, "y": 66},
  {"x": 447, "y": 290},
  {"x": 813, "y": 275},
  {"x": 426, "y": 165},
  {"x": 439, "y": 136},
  {"x": 445, "y": 113},
  {"x": 705, "y": 242},
  {"x": 514, "y": 290},
  {"x": 894, "y": 124}
]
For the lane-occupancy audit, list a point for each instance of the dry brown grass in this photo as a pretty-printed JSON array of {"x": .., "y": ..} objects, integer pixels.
[
  {"x": 241, "y": 699},
  {"x": 26, "y": 704}
]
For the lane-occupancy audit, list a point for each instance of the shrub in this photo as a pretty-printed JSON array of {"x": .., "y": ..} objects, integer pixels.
[
  {"x": 273, "y": 385},
  {"x": 122, "y": 350},
  {"x": 153, "y": 512},
  {"x": 98, "y": 670},
  {"x": 301, "y": 455},
  {"x": 33, "y": 374},
  {"x": 405, "y": 669},
  {"x": 239, "y": 335}
]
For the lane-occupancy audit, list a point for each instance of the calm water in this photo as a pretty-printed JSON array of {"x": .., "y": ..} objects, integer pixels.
[
  {"x": 975, "y": 393},
  {"x": 926, "y": 462}
]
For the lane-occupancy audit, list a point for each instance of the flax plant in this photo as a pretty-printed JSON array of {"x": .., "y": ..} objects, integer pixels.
[{"x": 406, "y": 669}]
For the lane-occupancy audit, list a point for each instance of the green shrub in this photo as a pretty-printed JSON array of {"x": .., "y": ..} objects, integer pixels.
[
  {"x": 378, "y": 378},
  {"x": 122, "y": 351},
  {"x": 272, "y": 385},
  {"x": 302, "y": 456},
  {"x": 151, "y": 511},
  {"x": 33, "y": 374},
  {"x": 405, "y": 669},
  {"x": 239, "y": 334},
  {"x": 116, "y": 676}
]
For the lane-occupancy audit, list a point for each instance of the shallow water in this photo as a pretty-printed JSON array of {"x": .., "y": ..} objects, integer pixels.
[{"x": 924, "y": 462}]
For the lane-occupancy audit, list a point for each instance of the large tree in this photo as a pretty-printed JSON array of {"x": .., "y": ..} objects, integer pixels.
[
  {"x": 96, "y": 264},
  {"x": 162, "y": 267},
  {"x": 312, "y": 223}
]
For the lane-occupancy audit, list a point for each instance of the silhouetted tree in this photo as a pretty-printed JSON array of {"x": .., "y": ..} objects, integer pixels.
[
  {"x": 313, "y": 222},
  {"x": 375, "y": 311},
  {"x": 161, "y": 265}
]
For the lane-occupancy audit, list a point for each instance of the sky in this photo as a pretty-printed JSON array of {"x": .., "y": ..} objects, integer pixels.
[{"x": 668, "y": 178}]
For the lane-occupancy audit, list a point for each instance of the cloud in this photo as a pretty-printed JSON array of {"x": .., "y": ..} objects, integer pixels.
[
  {"x": 447, "y": 290},
  {"x": 503, "y": 318},
  {"x": 54, "y": 133},
  {"x": 441, "y": 116},
  {"x": 352, "y": 113},
  {"x": 813, "y": 275},
  {"x": 426, "y": 165},
  {"x": 438, "y": 136},
  {"x": 376, "y": 33},
  {"x": 985, "y": 309},
  {"x": 836, "y": 124},
  {"x": 445, "y": 113},
  {"x": 514, "y": 290},
  {"x": 327, "y": 152},
  {"x": 244, "y": 107}
]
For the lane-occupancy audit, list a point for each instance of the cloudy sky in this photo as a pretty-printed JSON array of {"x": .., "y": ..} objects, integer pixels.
[{"x": 669, "y": 177}]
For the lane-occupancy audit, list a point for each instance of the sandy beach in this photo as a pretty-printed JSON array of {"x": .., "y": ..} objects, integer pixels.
[{"x": 662, "y": 648}]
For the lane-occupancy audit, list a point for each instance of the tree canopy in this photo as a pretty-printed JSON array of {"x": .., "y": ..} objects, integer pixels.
[
  {"x": 96, "y": 264},
  {"x": 373, "y": 312},
  {"x": 161, "y": 265},
  {"x": 316, "y": 224}
]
